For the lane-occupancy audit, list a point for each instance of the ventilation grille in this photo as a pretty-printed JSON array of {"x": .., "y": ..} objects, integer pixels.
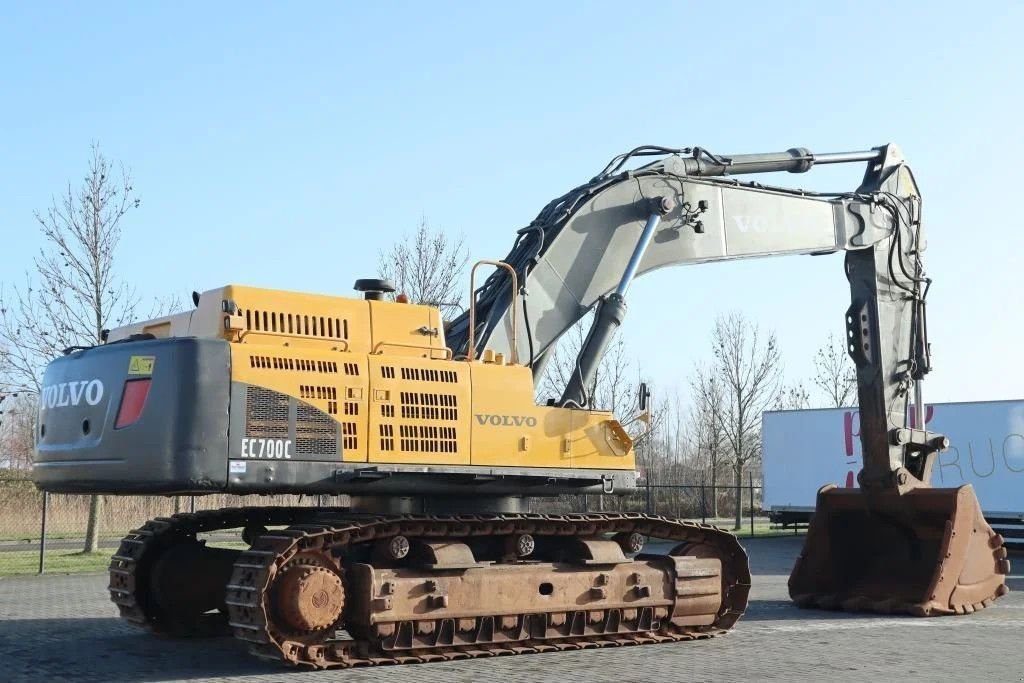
[
  {"x": 315, "y": 432},
  {"x": 428, "y": 439},
  {"x": 428, "y": 375},
  {"x": 352, "y": 369},
  {"x": 266, "y": 414},
  {"x": 295, "y": 364},
  {"x": 387, "y": 437},
  {"x": 439, "y": 410},
  {"x": 319, "y": 392},
  {"x": 295, "y": 323},
  {"x": 418, "y": 406},
  {"x": 349, "y": 438}
]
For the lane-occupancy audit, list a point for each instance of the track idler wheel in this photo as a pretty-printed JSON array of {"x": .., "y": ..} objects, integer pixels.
[{"x": 925, "y": 552}]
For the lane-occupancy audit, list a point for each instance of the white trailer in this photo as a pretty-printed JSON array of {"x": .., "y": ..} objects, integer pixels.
[{"x": 806, "y": 449}]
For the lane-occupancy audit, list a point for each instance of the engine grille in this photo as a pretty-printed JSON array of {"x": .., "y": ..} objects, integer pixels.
[
  {"x": 266, "y": 414},
  {"x": 316, "y": 433}
]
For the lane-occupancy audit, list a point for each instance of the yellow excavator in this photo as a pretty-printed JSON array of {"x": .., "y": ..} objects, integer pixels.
[{"x": 433, "y": 429}]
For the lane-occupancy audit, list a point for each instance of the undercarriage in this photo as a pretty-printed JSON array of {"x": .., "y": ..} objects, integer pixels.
[{"x": 333, "y": 588}]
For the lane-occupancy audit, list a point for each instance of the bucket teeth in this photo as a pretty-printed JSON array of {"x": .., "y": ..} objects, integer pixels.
[{"x": 926, "y": 552}]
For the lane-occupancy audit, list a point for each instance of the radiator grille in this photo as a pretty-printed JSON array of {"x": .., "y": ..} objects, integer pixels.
[
  {"x": 316, "y": 433},
  {"x": 266, "y": 414}
]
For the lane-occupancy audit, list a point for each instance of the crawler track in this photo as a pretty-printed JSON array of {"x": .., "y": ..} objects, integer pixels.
[
  {"x": 325, "y": 533},
  {"x": 131, "y": 564}
]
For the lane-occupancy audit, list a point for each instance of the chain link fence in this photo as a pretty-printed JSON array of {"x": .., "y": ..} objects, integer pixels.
[{"x": 47, "y": 532}]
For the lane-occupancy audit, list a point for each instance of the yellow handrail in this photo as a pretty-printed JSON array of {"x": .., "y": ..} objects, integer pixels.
[
  {"x": 471, "y": 351},
  {"x": 421, "y": 347}
]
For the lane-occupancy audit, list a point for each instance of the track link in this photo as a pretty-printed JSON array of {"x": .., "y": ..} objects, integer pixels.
[
  {"x": 136, "y": 553},
  {"x": 332, "y": 530},
  {"x": 248, "y": 600}
]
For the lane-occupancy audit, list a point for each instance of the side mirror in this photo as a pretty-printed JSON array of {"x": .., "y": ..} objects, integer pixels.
[{"x": 643, "y": 396}]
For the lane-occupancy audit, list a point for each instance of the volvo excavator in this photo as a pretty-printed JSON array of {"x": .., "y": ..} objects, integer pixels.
[{"x": 433, "y": 429}]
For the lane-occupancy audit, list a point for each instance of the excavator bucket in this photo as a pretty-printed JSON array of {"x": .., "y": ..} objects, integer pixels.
[{"x": 926, "y": 552}]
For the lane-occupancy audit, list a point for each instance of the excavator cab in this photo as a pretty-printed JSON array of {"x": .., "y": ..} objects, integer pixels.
[{"x": 925, "y": 552}]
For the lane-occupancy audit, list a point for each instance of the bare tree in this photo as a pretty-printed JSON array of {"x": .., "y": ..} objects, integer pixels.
[
  {"x": 428, "y": 267},
  {"x": 73, "y": 292},
  {"x": 834, "y": 373},
  {"x": 17, "y": 430},
  {"x": 748, "y": 366},
  {"x": 793, "y": 397},
  {"x": 651, "y": 444},
  {"x": 706, "y": 428}
]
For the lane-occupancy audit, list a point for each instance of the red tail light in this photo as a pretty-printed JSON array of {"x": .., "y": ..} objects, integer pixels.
[{"x": 133, "y": 400}]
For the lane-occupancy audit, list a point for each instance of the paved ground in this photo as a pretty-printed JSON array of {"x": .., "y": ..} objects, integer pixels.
[{"x": 63, "y": 627}]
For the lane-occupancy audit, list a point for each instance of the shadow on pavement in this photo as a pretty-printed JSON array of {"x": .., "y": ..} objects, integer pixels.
[
  {"x": 67, "y": 649},
  {"x": 785, "y": 610}
]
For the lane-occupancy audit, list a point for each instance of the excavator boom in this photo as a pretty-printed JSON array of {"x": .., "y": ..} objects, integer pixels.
[{"x": 892, "y": 544}]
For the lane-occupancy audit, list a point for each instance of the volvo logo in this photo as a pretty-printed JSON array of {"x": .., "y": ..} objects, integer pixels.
[
  {"x": 72, "y": 394},
  {"x": 506, "y": 420}
]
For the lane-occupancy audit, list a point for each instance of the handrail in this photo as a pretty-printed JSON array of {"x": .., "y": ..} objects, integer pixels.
[
  {"x": 242, "y": 334},
  {"x": 420, "y": 347},
  {"x": 471, "y": 350}
]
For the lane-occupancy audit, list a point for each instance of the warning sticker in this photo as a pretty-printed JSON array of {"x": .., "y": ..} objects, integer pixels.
[
  {"x": 236, "y": 467},
  {"x": 141, "y": 365}
]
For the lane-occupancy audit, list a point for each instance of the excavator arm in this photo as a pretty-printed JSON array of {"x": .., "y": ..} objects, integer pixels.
[
  {"x": 893, "y": 544},
  {"x": 585, "y": 248}
]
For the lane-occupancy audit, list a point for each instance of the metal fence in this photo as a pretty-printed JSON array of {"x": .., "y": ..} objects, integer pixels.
[
  {"x": 46, "y": 532},
  {"x": 710, "y": 502}
]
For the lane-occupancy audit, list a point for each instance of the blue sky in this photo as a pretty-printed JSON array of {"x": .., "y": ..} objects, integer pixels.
[{"x": 284, "y": 145}]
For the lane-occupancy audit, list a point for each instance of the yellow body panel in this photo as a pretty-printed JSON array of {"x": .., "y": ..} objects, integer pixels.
[
  {"x": 381, "y": 370},
  {"x": 510, "y": 430},
  {"x": 332, "y": 322},
  {"x": 334, "y": 382},
  {"x": 419, "y": 410}
]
